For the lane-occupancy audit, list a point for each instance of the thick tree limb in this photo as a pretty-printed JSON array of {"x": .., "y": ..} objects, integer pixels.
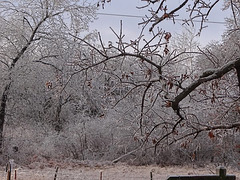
[{"x": 205, "y": 77}]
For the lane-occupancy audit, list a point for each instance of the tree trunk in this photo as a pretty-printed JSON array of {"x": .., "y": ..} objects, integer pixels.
[
  {"x": 3, "y": 106},
  {"x": 58, "y": 124},
  {"x": 237, "y": 66}
]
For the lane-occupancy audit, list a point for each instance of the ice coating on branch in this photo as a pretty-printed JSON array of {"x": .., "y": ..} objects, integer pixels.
[{"x": 208, "y": 72}]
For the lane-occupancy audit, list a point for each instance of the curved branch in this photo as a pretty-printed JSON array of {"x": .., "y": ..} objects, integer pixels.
[
  {"x": 142, "y": 105},
  {"x": 208, "y": 75},
  {"x": 90, "y": 45},
  {"x": 49, "y": 64}
]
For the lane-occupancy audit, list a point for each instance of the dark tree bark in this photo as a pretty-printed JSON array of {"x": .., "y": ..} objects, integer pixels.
[
  {"x": 3, "y": 107},
  {"x": 237, "y": 66}
]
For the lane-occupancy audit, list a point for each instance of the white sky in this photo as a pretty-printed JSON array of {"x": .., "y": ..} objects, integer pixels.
[{"x": 131, "y": 28}]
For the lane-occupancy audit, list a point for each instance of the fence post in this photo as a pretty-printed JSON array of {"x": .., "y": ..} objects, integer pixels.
[
  {"x": 55, "y": 177},
  {"x": 100, "y": 175},
  {"x": 222, "y": 172},
  {"x": 15, "y": 175},
  {"x": 8, "y": 175},
  {"x": 9, "y": 168},
  {"x": 151, "y": 176}
]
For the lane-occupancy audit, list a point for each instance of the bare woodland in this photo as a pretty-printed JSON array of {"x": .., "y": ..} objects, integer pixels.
[{"x": 67, "y": 94}]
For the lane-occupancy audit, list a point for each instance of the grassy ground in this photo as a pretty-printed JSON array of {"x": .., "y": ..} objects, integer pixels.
[{"x": 109, "y": 172}]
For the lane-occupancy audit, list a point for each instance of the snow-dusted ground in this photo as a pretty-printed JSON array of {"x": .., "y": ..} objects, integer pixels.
[{"x": 110, "y": 172}]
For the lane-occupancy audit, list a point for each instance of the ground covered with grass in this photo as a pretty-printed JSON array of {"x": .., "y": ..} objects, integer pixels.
[{"x": 106, "y": 171}]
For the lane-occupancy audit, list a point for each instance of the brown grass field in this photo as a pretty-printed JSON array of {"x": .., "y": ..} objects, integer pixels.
[{"x": 108, "y": 172}]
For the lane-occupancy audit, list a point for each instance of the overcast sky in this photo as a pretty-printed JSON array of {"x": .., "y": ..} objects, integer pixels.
[{"x": 132, "y": 29}]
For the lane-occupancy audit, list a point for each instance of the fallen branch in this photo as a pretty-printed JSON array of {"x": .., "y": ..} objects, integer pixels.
[{"x": 127, "y": 154}]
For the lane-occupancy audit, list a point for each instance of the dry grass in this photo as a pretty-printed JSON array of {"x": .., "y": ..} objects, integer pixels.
[{"x": 110, "y": 172}]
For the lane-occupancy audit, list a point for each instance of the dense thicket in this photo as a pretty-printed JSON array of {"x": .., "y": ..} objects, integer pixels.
[{"x": 66, "y": 94}]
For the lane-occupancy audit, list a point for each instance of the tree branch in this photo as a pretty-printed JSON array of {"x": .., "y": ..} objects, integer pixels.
[
  {"x": 168, "y": 15},
  {"x": 205, "y": 77},
  {"x": 142, "y": 105},
  {"x": 31, "y": 39},
  {"x": 220, "y": 127},
  {"x": 46, "y": 63},
  {"x": 4, "y": 63}
]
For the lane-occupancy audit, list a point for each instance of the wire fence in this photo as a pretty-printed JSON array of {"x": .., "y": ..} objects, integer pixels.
[
  {"x": 43, "y": 175},
  {"x": 62, "y": 175},
  {"x": 98, "y": 173}
]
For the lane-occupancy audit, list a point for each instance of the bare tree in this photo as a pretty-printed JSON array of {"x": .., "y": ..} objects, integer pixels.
[{"x": 27, "y": 32}]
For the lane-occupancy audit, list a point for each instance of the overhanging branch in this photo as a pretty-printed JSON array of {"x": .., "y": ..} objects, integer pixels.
[{"x": 205, "y": 77}]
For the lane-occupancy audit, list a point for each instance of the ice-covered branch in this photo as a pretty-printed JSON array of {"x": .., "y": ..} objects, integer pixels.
[{"x": 206, "y": 76}]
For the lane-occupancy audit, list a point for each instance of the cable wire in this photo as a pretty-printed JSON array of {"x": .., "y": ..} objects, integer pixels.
[{"x": 135, "y": 16}]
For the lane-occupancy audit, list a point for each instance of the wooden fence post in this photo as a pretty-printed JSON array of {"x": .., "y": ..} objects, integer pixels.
[
  {"x": 151, "y": 176},
  {"x": 8, "y": 175},
  {"x": 55, "y": 176},
  {"x": 15, "y": 175},
  {"x": 9, "y": 169},
  {"x": 101, "y": 175}
]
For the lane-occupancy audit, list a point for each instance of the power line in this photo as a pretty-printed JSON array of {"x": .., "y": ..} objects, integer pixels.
[
  {"x": 135, "y": 16},
  {"x": 121, "y": 15}
]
